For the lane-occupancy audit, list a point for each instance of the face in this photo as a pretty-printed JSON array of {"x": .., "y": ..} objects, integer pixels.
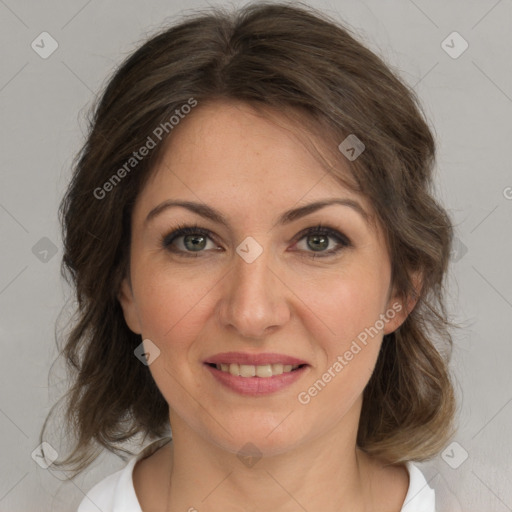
[{"x": 251, "y": 290}]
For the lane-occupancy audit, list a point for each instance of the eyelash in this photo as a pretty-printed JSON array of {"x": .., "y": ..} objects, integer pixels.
[{"x": 319, "y": 229}]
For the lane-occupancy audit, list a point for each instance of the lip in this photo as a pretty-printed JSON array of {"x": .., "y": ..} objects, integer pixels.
[
  {"x": 257, "y": 386},
  {"x": 253, "y": 359}
]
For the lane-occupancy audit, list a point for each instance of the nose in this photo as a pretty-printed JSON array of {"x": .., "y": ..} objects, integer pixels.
[{"x": 255, "y": 298}]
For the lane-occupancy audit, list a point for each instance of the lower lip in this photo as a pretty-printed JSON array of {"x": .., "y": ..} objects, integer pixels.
[{"x": 257, "y": 386}]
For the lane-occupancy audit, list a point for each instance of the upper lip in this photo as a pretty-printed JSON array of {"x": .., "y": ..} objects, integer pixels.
[{"x": 253, "y": 359}]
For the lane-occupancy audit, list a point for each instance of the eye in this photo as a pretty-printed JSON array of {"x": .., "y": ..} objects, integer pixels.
[
  {"x": 192, "y": 239},
  {"x": 318, "y": 240},
  {"x": 189, "y": 241}
]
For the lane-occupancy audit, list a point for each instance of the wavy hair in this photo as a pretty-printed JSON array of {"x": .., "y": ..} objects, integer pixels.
[{"x": 291, "y": 60}]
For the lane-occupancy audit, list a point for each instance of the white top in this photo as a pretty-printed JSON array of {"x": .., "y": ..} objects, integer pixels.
[{"x": 115, "y": 493}]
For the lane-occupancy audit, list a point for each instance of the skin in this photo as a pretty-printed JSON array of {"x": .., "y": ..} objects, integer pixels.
[{"x": 252, "y": 169}]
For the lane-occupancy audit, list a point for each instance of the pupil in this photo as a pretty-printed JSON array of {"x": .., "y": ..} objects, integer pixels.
[
  {"x": 196, "y": 245},
  {"x": 323, "y": 244},
  {"x": 198, "y": 242}
]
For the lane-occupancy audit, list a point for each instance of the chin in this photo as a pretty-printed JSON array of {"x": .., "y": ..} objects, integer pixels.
[{"x": 264, "y": 437}]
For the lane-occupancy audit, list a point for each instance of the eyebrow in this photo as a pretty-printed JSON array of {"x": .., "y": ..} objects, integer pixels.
[{"x": 287, "y": 217}]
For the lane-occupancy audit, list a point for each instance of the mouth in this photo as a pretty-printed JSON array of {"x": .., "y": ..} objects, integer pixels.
[
  {"x": 255, "y": 374},
  {"x": 264, "y": 371}
]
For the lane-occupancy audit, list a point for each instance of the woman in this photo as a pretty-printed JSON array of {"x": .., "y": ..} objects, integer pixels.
[{"x": 259, "y": 265}]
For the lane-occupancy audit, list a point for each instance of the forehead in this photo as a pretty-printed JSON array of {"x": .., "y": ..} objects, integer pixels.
[{"x": 231, "y": 144}]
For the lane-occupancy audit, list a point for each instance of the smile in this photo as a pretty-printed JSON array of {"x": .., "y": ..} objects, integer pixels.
[
  {"x": 262, "y": 371},
  {"x": 253, "y": 374}
]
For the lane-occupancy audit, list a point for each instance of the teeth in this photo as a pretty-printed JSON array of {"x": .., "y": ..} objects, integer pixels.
[
  {"x": 263, "y": 371},
  {"x": 277, "y": 369},
  {"x": 249, "y": 370}
]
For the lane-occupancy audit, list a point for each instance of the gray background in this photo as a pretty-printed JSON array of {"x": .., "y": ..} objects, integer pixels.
[{"x": 468, "y": 101}]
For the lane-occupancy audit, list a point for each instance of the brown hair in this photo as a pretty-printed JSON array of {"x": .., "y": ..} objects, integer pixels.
[{"x": 287, "y": 59}]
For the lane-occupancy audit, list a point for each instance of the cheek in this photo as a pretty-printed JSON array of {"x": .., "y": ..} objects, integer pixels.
[
  {"x": 347, "y": 311},
  {"x": 345, "y": 305},
  {"x": 339, "y": 304},
  {"x": 172, "y": 311},
  {"x": 169, "y": 304}
]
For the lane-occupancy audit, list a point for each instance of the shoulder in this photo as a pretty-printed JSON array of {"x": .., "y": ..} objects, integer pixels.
[
  {"x": 420, "y": 496},
  {"x": 101, "y": 495},
  {"x": 116, "y": 492},
  {"x": 105, "y": 494}
]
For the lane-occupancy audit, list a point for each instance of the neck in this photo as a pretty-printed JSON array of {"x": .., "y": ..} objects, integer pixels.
[{"x": 327, "y": 473}]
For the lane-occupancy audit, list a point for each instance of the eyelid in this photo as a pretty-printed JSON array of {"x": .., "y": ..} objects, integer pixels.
[
  {"x": 177, "y": 232},
  {"x": 334, "y": 233},
  {"x": 327, "y": 230}
]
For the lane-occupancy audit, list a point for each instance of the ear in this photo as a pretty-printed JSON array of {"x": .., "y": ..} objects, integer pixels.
[
  {"x": 127, "y": 301},
  {"x": 397, "y": 310}
]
